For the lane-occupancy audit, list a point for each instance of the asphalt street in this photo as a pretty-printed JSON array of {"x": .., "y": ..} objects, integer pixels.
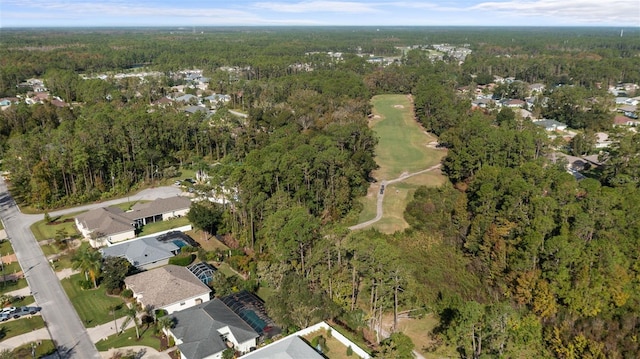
[{"x": 62, "y": 321}]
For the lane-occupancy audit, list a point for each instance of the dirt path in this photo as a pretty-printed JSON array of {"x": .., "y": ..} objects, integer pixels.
[{"x": 379, "y": 212}]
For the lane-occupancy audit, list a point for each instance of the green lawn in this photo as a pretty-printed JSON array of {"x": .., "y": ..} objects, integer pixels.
[
  {"x": 163, "y": 226},
  {"x": 16, "y": 327},
  {"x": 5, "y": 248},
  {"x": 128, "y": 338},
  {"x": 11, "y": 286},
  {"x": 42, "y": 230},
  {"x": 49, "y": 249},
  {"x": 26, "y": 301},
  {"x": 46, "y": 347},
  {"x": 92, "y": 305}
]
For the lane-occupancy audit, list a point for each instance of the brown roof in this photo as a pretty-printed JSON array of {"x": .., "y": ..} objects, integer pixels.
[
  {"x": 159, "y": 206},
  {"x": 166, "y": 285}
]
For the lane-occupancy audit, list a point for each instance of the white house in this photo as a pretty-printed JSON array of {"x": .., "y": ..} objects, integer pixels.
[{"x": 171, "y": 288}]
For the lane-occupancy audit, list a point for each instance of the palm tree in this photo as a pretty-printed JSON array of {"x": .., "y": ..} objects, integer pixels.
[
  {"x": 165, "y": 322},
  {"x": 132, "y": 316},
  {"x": 89, "y": 261}
]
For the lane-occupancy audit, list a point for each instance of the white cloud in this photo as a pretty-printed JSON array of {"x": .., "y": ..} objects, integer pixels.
[
  {"x": 318, "y": 6},
  {"x": 574, "y": 11}
]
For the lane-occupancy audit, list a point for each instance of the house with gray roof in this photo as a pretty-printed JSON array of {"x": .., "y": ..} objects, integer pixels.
[
  {"x": 208, "y": 329},
  {"x": 171, "y": 288},
  {"x": 143, "y": 253},
  {"x": 291, "y": 347}
]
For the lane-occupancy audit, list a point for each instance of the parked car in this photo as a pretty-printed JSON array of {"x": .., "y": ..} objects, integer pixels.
[
  {"x": 24, "y": 311},
  {"x": 8, "y": 310},
  {"x": 4, "y": 317}
]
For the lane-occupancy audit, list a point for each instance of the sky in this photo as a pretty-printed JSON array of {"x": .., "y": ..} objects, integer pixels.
[{"x": 189, "y": 13}]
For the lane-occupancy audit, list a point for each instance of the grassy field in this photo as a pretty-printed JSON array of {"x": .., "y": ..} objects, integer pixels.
[
  {"x": 402, "y": 148},
  {"x": 92, "y": 305},
  {"x": 128, "y": 338},
  {"x": 20, "y": 326}
]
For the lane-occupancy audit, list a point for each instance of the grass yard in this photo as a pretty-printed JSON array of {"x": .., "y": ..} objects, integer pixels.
[
  {"x": 20, "y": 326},
  {"x": 207, "y": 242},
  {"x": 46, "y": 347},
  {"x": 336, "y": 350},
  {"x": 41, "y": 230},
  {"x": 128, "y": 338},
  {"x": 163, "y": 226},
  {"x": 5, "y": 247},
  {"x": 402, "y": 148},
  {"x": 10, "y": 286},
  {"x": 92, "y": 305}
]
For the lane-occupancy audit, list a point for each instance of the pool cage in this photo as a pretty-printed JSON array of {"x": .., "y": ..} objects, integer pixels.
[
  {"x": 203, "y": 270},
  {"x": 251, "y": 309}
]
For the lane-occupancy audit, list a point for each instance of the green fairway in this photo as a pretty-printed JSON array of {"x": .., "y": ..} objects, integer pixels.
[
  {"x": 402, "y": 145},
  {"x": 403, "y": 148}
]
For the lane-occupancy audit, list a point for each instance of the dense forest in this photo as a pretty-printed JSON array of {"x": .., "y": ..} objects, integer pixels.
[{"x": 516, "y": 257}]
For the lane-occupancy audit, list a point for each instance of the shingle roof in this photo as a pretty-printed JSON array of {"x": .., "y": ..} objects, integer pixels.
[
  {"x": 106, "y": 220},
  {"x": 292, "y": 347},
  {"x": 166, "y": 285},
  {"x": 159, "y": 206},
  {"x": 142, "y": 251},
  {"x": 200, "y": 329}
]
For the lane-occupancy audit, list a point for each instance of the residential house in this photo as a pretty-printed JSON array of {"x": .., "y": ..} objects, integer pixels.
[
  {"x": 162, "y": 209},
  {"x": 536, "y": 88},
  {"x": 514, "y": 103},
  {"x": 620, "y": 120},
  {"x": 551, "y": 125},
  {"x": 188, "y": 98},
  {"x": 105, "y": 225},
  {"x": 111, "y": 224},
  {"x": 206, "y": 330},
  {"x": 602, "y": 140},
  {"x": 291, "y": 347},
  {"x": 481, "y": 103},
  {"x": 143, "y": 253},
  {"x": 170, "y": 288}
]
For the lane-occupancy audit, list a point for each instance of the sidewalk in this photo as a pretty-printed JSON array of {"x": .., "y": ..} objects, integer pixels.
[
  {"x": 36, "y": 335},
  {"x": 142, "y": 351},
  {"x": 65, "y": 273},
  {"x": 103, "y": 331}
]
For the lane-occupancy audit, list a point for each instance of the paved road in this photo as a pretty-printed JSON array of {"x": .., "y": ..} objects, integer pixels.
[
  {"x": 381, "y": 197},
  {"x": 62, "y": 321}
]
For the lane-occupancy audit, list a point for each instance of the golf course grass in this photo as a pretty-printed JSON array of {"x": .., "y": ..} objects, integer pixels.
[{"x": 403, "y": 148}]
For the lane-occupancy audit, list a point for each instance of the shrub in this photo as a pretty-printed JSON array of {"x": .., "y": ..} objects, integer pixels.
[
  {"x": 127, "y": 293},
  {"x": 181, "y": 260},
  {"x": 85, "y": 284},
  {"x": 349, "y": 351}
]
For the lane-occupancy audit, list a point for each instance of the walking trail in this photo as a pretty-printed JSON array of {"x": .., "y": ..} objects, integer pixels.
[{"x": 379, "y": 213}]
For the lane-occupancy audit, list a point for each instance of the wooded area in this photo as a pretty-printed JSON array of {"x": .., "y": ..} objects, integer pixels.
[{"x": 517, "y": 257}]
